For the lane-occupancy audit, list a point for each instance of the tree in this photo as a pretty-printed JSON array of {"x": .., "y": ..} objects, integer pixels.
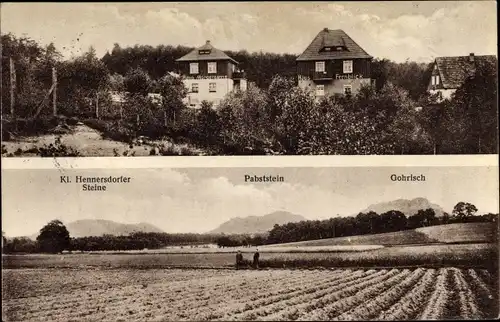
[
  {"x": 137, "y": 81},
  {"x": 475, "y": 110},
  {"x": 54, "y": 237},
  {"x": 393, "y": 220},
  {"x": 464, "y": 210},
  {"x": 422, "y": 218},
  {"x": 208, "y": 127},
  {"x": 245, "y": 120},
  {"x": 173, "y": 92},
  {"x": 80, "y": 81}
]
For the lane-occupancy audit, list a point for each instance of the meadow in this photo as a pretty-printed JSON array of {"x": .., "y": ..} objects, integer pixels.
[
  {"x": 188, "y": 294},
  {"x": 475, "y": 255}
]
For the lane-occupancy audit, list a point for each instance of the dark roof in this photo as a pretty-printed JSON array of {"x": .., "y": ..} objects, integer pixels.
[
  {"x": 455, "y": 70},
  {"x": 215, "y": 54},
  {"x": 332, "y": 38}
]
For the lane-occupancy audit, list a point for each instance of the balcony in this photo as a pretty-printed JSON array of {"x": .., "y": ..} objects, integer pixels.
[
  {"x": 239, "y": 74},
  {"x": 319, "y": 76}
]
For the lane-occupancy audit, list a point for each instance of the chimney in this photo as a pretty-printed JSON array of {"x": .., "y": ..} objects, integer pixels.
[
  {"x": 208, "y": 42},
  {"x": 471, "y": 57},
  {"x": 325, "y": 29}
]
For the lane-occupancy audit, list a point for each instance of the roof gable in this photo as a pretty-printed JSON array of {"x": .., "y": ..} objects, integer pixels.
[
  {"x": 206, "y": 52},
  {"x": 455, "y": 70},
  {"x": 332, "y": 38}
]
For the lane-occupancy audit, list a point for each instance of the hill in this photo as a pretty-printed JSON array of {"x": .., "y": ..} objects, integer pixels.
[
  {"x": 451, "y": 233},
  {"x": 408, "y": 207},
  {"x": 256, "y": 224},
  {"x": 99, "y": 227}
]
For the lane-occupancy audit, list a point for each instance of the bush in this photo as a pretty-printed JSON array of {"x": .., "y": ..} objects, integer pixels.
[
  {"x": 28, "y": 127},
  {"x": 116, "y": 130},
  {"x": 57, "y": 150}
]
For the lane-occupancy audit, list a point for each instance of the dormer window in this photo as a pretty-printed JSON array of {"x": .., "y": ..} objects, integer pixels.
[
  {"x": 435, "y": 80},
  {"x": 340, "y": 48},
  {"x": 204, "y": 52}
]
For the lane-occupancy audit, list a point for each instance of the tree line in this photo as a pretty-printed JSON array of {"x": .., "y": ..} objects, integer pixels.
[
  {"x": 274, "y": 116},
  {"x": 373, "y": 223},
  {"x": 54, "y": 237}
]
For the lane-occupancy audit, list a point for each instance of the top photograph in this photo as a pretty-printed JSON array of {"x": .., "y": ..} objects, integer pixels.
[{"x": 259, "y": 78}]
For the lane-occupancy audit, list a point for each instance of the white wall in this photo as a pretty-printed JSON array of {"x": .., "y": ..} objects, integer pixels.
[
  {"x": 445, "y": 93},
  {"x": 223, "y": 86},
  {"x": 336, "y": 86}
]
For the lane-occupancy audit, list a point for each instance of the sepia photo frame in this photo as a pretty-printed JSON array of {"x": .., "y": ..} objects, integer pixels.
[{"x": 250, "y": 161}]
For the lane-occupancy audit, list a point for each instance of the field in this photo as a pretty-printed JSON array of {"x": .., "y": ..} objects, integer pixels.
[
  {"x": 478, "y": 255},
  {"x": 332, "y": 294},
  {"x": 441, "y": 279},
  {"x": 451, "y": 233}
]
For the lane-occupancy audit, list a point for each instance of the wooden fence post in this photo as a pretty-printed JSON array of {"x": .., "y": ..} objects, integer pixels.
[
  {"x": 54, "y": 93},
  {"x": 12, "y": 86},
  {"x": 97, "y": 104}
]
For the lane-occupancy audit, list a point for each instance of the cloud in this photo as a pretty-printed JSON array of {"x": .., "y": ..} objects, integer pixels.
[{"x": 455, "y": 28}]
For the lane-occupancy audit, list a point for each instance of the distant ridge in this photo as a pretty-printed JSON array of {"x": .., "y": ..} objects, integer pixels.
[
  {"x": 406, "y": 206},
  {"x": 256, "y": 224}
]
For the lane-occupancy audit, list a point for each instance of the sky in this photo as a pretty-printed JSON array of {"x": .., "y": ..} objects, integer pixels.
[
  {"x": 414, "y": 30},
  {"x": 200, "y": 199}
]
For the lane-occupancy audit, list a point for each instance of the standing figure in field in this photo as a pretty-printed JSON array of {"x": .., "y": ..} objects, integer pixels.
[
  {"x": 239, "y": 259},
  {"x": 256, "y": 259}
]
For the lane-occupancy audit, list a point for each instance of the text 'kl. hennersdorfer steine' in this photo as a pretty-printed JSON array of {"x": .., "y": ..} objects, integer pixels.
[{"x": 249, "y": 161}]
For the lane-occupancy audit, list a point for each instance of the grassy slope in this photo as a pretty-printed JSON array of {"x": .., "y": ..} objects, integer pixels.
[
  {"x": 461, "y": 233},
  {"x": 452, "y": 233}
]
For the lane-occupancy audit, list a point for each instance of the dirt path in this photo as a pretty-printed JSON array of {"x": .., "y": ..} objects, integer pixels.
[{"x": 87, "y": 141}]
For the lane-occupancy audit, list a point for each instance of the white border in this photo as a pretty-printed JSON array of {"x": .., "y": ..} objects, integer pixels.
[{"x": 249, "y": 161}]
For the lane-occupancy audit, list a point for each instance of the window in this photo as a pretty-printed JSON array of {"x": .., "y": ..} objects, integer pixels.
[
  {"x": 212, "y": 67},
  {"x": 193, "y": 68},
  {"x": 320, "y": 66},
  {"x": 340, "y": 48},
  {"x": 320, "y": 90},
  {"x": 435, "y": 80},
  {"x": 204, "y": 52},
  {"x": 347, "y": 89},
  {"x": 328, "y": 48},
  {"x": 194, "y": 88},
  {"x": 347, "y": 66},
  {"x": 212, "y": 87},
  {"x": 233, "y": 68}
]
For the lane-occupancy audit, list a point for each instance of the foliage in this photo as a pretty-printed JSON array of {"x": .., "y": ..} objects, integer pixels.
[
  {"x": 464, "y": 210},
  {"x": 80, "y": 80},
  {"x": 173, "y": 92},
  {"x": 473, "y": 119},
  {"x": 367, "y": 223},
  {"x": 244, "y": 120},
  {"x": 137, "y": 81},
  {"x": 53, "y": 237},
  {"x": 273, "y": 116},
  {"x": 57, "y": 150}
]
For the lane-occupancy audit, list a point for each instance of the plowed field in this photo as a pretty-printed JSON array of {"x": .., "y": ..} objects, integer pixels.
[{"x": 211, "y": 294}]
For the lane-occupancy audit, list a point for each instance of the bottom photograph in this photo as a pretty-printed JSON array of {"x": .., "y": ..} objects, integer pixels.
[{"x": 306, "y": 243}]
